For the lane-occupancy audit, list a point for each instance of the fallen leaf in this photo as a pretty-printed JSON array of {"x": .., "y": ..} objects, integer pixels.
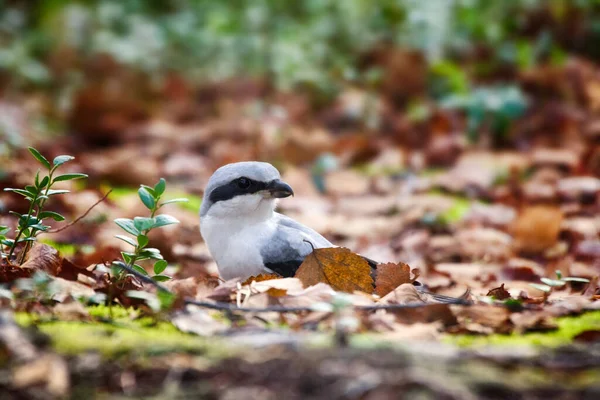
[
  {"x": 590, "y": 336},
  {"x": 277, "y": 287},
  {"x": 42, "y": 257},
  {"x": 340, "y": 268},
  {"x": 532, "y": 321},
  {"x": 537, "y": 228},
  {"x": 197, "y": 320},
  {"x": 260, "y": 278},
  {"x": 495, "y": 318},
  {"x": 390, "y": 276},
  {"x": 499, "y": 293},
  {"x": 403, "y": 294}
]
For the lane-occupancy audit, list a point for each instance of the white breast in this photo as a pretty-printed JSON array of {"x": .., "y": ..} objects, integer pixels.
[{"x": 235, "y": 244}]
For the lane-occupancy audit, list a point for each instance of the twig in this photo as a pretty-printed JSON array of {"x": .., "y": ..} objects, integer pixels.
[
  {"x": 81, "y": 216},
  {"x": 222, "y": 306}
]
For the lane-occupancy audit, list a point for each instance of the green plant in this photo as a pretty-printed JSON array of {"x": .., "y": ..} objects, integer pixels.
[
  {"x": 32, "y": 222},
  {"x": 548, "y": 284},
  {"x": 139, "y": 227}
]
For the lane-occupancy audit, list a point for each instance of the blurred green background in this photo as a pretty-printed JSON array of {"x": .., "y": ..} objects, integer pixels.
[{"x": 463, "y": 54}]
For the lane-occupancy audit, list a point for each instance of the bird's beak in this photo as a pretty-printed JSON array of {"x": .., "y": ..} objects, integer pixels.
[{"x": 279, "y": 189}]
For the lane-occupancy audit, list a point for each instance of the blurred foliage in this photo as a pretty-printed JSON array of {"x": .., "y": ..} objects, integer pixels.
[{"x": 314, "y": 41}]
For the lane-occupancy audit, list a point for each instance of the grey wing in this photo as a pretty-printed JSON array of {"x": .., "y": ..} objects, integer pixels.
[
  {"x": 291, "y": 242},
  {"x": 317, "y": 240}
]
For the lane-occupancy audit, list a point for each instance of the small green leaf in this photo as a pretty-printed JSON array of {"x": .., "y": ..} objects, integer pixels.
[
  {"x": 39, "y": 227},
  {"x": 151, "y": 300},
  {"x": 543, "y": 288},
  {"x": 127, "y": 256},
  {"x": 139, "y": 269},
  {"x": 32, "y": 189},
  {"x": 143, "y": 223},
  {"x": 44, "y": 182},
  {"x": 160, "y": 187},
  {"x": 149, "y": 189},
  {"x": 60, "y": 160},
  {"x": 4, "y": 229},
  {"x": 127, "y": 240},
  {"x": 163, "y": 220},
  {"x": 127, "y": 225},
  {"x": 51, "y": 214},
  {"x": 160, "y": 266},
  {"x": 150, "y": 254},
  {"x": 142, "y": 240},
  {"x": 53, "y": 192},
  {"x": 161, "y": 278},
  {"x": 8, "y": 242},
  {"x": 553, "y": 282},
  {"x": 22, "y": 192},
  {"x": 558, "y": 274},
  {"x": 39, "y": 157},
  {"x": 166, "y": 298},
  {"x": 178, "y": 200},
  {"x": 68, "y": 177},
  {"x": 146, "y": 198},
  {"x": 576, "y": 279}
]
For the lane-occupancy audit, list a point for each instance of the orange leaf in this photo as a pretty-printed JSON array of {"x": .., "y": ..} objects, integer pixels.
[
  {"x": 390, "y": 276},
  {"x": 338, "y": 267},
  {"x": 260, "y": 278}
]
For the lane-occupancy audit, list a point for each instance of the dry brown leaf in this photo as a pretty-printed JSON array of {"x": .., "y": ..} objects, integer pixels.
[
  {"x": 277, "y": 287},
  {"x": 46, "y": 258},
  {"x": 340, "y": 268},
  {"x": 404, "y": 294},
  {"x": 43, "y": 258},
  {"x": 537, "y": 228},
  {"x": 499, "y": 293},
  {"x": 390, "y": 276},
  {"x": 532, "y": 321},
  {"x": 260, "y": 278},
  {"x": 496, "y": 318}
]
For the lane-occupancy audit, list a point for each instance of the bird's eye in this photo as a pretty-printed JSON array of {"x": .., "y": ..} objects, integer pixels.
[{"x": 243, "y": 183}]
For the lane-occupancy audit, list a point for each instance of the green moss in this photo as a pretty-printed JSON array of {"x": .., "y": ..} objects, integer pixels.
[
  {"x": 457, "y": 212},
  {"x": 68, "y": 249},
  {"x": 122, "y": 335},
  {"x": 568, "y": 328}
]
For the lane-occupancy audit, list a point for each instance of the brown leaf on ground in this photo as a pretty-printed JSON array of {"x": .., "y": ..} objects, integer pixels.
[
  {"x": 187, "y": 287},
  {"x": 590, "y": 336},
  {"x": 9, "y": 272},
  {"x": 390, "y": 276},
  {"x": 426, "y": 314},
  {"x": 278, "y": 287},
  {"x": 499, "y": 293},
  {"x": 495, "y": 318},
  {"x": 403, "y": 294},
  {"x": 537, "y": 228},
  {"x": 340, "y": 268},
  {"x": 46, "y": 258},
  {"x": 43, "y": 258},
  {"x": 532, "y": 321},
  {"x": 260, "y": 278}
]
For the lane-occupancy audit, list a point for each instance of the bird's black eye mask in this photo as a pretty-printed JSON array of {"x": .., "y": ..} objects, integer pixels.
[{"x": 237, "y": 187}]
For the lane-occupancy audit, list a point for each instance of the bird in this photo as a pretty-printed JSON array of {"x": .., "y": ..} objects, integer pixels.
[{"x": 246, "y": 236}]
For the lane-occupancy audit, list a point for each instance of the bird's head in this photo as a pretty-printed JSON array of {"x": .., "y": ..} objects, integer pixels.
[{"x": 243, "y": 189}]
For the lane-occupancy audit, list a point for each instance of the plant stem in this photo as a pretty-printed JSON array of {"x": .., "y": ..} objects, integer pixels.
[
  {"x": 22, "y": 229},
  {"x": 40, "y": 206}
]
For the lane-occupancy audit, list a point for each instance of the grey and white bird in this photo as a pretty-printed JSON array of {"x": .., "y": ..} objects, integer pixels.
[{"x": 244, "y": 233}]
